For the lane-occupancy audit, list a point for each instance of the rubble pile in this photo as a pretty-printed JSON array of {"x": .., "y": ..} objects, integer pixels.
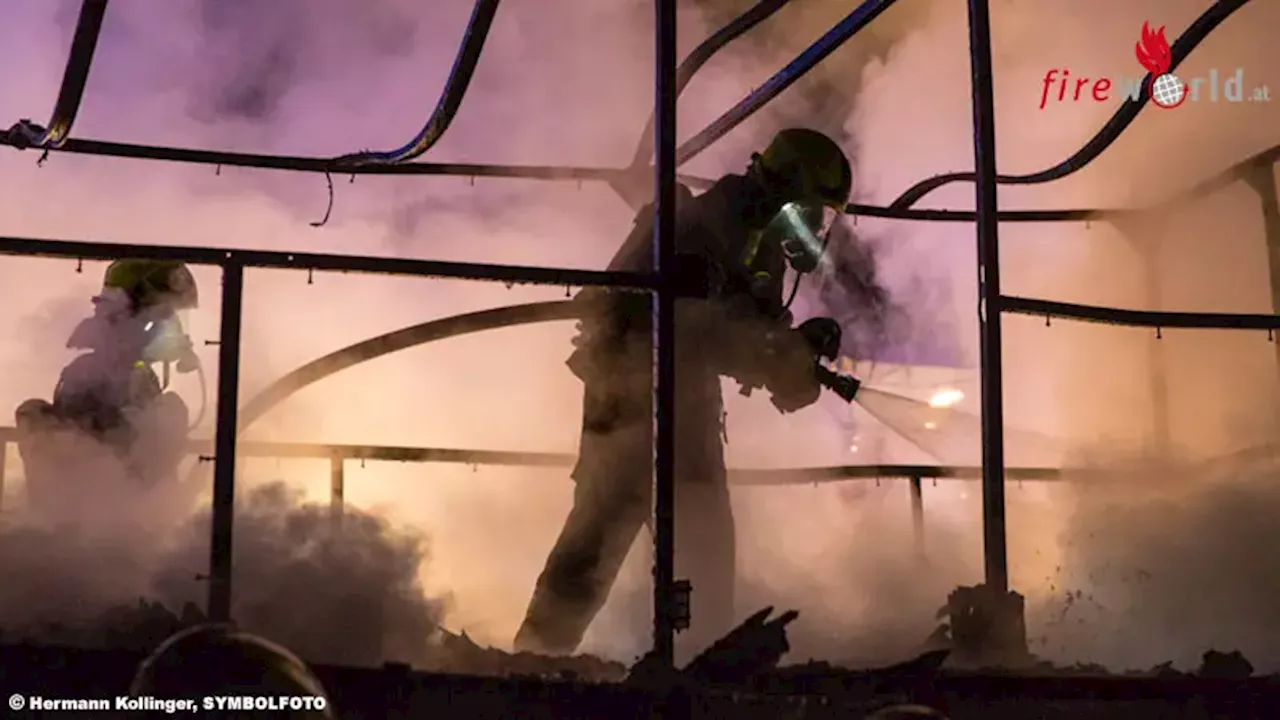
[
  {"x": 749, "y": 657},
  {"x": 460, "y": 654},
  {"x": 137, "y": 628},
  {"x": 739, "y": 676}
]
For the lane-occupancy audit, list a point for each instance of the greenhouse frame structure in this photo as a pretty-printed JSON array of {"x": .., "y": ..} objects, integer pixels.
[{"x": 659, "y": 144}]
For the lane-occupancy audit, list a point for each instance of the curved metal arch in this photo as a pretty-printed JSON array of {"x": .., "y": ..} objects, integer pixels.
[
  {"x": 74, "y": 78},
  {"x": 515, "y": 315},
  {"x": 1128, "y": 112},
  {"x": 560, "y": 310},
  {"x": 464, "y": 67},
  {"x": 402, "y": 339},
  {"x": 738, "y": 27},
  {"x": 852, "y": 24}
]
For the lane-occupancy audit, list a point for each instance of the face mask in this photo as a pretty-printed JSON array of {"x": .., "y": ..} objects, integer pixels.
[
  {"x": 166, "y": 341},
  {"x": 804, "y": 229}
]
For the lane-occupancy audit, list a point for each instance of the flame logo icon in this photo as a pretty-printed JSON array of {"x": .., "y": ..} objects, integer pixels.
[{"x": 1153, "y": 52}]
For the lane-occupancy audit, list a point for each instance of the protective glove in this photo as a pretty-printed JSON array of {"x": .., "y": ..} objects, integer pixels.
[
  {"x": 791, "y": 378},
  {"x": 823, "y": 335}
]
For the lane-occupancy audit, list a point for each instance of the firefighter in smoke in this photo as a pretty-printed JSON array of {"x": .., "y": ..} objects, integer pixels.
[
  {"x": 733, "y": 246},
  {"x": 110, "y": 394}
]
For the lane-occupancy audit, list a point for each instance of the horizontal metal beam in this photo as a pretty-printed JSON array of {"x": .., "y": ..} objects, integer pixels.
[
  {"x": 294, "y": 163},
  {"x": 968, "y": 216},
  {"x": 1138, "y": 318},
  {"x": 752, "y": 476},
  {"x": 516, "y": 172},
  {"x": 388, "y": 453},
  {"x": 503, "y": 458},
  {"x": 598, "y": 174},
  {"x": 81, "y": 250}
]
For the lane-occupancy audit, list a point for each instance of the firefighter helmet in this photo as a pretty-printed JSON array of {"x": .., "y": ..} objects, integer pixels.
[
  {"x": 217, "y": 659},
  {"x": 811, "y": 164},
  {"x": 150, "y": 283}
]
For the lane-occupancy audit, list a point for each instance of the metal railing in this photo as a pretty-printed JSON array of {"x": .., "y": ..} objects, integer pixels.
[{"x": 338, "y": 455}]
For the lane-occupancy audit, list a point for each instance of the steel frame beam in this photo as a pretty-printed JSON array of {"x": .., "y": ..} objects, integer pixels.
[
  {"x": 991, "y": 360},
  {"x": 666, "y": 88},
  {"x": 742, "y": 477},
  {"x": 224, "y": 445},
  {"x": 455, "y": 89},
  {"x": 987, "y": 216}
]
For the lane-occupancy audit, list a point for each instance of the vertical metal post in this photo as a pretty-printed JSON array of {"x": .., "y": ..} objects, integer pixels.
[
  {"x": 1156, "y": 360},
  {"x": 4, "y": 460},
  {"x": 664, "y": 332},
  {"x": 1146, "y": 234},
  {"x": 337, "y": 490},
  {"x": 917, "y": 517},
  {"x": 984, "y": 153},
  {"x": 1263, "y": 181},
  {"x": 224, "y": 467}
]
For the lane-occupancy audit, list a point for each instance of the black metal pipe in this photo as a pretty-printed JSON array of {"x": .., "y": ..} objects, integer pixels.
[
  {"x": 337, "y": 489},
  {"x": 739, "y": 26},
  {"x": 74, "y": 79},
  {"x": 995, "y": 553},
  {"x": 854, "y": 22},
  {"x": 455, "y": 88},
  {"x": 224, "y": 458},
  {"x": 1138, "y": 318},
  {"x": 1262, "y": 178},
  {"x": 665, "y": 90},
  {"x": 82, "y": 250},
  {"x": 917, "y": 516},
  {"x": 742, "y": 477},
  {"x": 1157, "y": 360},
  {"x": 101, "y": 148},
  {"x": 1128, "y": 112},
  {"x": 299, "y": 163},
  {"x": 4, "y": 461}
]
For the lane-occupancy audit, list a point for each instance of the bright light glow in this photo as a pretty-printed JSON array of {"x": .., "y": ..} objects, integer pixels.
[
  {"x": 945, "y": 398},
  {"x": 930, "y": 425}
]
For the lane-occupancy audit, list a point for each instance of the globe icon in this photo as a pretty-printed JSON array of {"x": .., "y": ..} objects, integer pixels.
[{"x": 1168, "y": 91}]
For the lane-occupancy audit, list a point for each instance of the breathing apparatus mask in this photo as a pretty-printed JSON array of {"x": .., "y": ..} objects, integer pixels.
[
  {"x": 165, "y": 341},
  {"x": 798, "y": 233},
  {"x": 804, "y": 229}
]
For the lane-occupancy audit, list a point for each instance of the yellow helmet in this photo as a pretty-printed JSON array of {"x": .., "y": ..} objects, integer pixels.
[
  {"x": 149, "y": 283},
  {"x": 811, "y": 164}
]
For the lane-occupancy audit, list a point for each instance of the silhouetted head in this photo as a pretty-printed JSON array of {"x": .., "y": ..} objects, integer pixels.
[
  {"x": 212, "y": 660},
  {"x": 138, "y": 315},
  {"x": 907, "y": 712},
  {"x": 804, "y": 181}
]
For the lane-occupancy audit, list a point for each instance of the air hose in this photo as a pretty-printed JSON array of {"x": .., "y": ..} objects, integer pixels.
[
  {"x": 204, "y": 389},
  {"x": 204, "y": 397}
]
